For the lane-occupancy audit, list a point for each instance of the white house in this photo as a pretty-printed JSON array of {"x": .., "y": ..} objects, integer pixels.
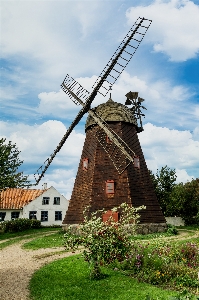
[{"x": 46, "y": 205}]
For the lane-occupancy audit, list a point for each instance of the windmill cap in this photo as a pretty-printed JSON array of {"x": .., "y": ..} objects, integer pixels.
[{"x": 112, "y": 112}]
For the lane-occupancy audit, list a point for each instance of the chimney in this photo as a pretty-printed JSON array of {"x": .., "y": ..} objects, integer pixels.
[{"x": 45, "y": 186}]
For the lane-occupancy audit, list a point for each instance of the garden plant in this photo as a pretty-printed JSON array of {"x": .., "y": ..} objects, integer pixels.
[
  {"x": 104, "y": 242},
  {"x": 20, "y": 224},
  {"x": 158, "y": 262}
]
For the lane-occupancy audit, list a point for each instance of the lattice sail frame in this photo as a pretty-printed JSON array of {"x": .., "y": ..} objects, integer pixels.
[
  {"x": 116, "y": 154},
  {"x": 131, "y": 43},
  {"x": 76, "y": 88}
]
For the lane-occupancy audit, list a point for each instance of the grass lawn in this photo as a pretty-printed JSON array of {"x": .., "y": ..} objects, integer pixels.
[
  {"x": 68, "y": 278},
  {"x": 11, "y": 238},
  {"x": 8, "y": 235},
  {"x": 48, "y": 241},
  {"x": 56, "y": 240}
]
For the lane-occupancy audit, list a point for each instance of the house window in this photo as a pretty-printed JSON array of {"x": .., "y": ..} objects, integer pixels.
[
  {"x": 44, "y": 216},
  {"x": 137, "y": 162},
  {"x": 45, "y": 200},
  {"x": 2, "y": 216},
  {"x": 56, "y": 200},
  {"x": 85, "y": 164},
  {"x": 110, "y": 187},
  {"x": 14, "y": 215},
  {"x": 32, "y": 215},
  {"x": 58, "y": 215}
]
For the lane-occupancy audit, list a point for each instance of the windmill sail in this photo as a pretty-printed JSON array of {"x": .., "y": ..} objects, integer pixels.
[
  {"x": 122, "y": 56},
  {"x": 40, "y": 172},
  {"x": 119, "y": 152},
  {"x": 107, "y": 78},
  {"x": 70, "y": 84},
  {"x": 121, "y": 147}
]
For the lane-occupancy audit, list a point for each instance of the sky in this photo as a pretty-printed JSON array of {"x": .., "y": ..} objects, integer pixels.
[{"x": 42, "y": 41}]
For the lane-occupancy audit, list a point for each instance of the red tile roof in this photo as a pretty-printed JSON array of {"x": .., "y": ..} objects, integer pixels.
[{"x": 17, "y": 198}]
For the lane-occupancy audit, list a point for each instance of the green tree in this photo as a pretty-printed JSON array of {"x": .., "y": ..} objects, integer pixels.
[
  {"x": 181, "y": 200},
  {"x": 164, "y": 182},
  {"x": 9, "y": 164},
  {"x": 184, "y": 201}
]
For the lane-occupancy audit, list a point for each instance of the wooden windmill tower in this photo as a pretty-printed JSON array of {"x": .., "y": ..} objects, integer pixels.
[{"x": 112, "y": 168}]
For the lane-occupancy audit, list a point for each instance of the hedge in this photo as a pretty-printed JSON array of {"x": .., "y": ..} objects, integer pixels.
[{"x": 19, "y": 225}]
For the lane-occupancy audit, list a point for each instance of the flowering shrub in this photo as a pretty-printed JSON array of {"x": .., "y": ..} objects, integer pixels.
[
  {"x": 19, "y": 225},
  {"x": 104, "y": 242},
  {"x": 158, "y": 262}
]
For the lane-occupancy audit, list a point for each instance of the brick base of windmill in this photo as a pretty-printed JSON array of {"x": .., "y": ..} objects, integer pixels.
[{"x": 99, "y": 184}]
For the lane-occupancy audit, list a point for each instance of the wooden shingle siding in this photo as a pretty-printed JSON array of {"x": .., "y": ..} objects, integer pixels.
[{"x": 133, "y": 186}]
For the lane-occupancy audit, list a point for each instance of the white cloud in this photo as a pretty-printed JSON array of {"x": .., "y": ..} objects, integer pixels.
[
  {"x": 165, "y": 101},
  {"x": 176, "y": 149},
  {"x": 196, "y": 133},
  {"x": 59, "y": 104},
  {"x": 62, "y": 180},
  {"x": 161, "y": 94},
  {"x": 56, "y": 104},
  {"x": 37, "y": 142},
  {"x": 182, "y": 176},
  {"x": 50, "y": 34},
  {"x": 174, "y": 30}
]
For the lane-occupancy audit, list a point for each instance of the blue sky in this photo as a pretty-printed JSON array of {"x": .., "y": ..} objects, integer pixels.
[{"x": 42, "y": 41}]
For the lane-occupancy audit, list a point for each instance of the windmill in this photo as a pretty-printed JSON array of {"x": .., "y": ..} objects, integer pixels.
[{"x": 107, "y": 155}]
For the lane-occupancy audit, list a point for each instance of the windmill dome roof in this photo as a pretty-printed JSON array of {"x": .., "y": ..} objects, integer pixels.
[{"x": 112, "y": 111}]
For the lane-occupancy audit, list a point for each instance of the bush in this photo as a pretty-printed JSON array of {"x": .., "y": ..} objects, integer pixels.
[
  {"x": 19, "y": 225},
  {"x": 104, "y": 242},
  {"x": 171, "y": 229}
]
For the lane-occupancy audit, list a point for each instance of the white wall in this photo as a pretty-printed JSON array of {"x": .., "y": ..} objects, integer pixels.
[
  {"x": 176, "y": 221},
  {"x": 36, "y": 205},
  {"x": 8, "y": 213}
]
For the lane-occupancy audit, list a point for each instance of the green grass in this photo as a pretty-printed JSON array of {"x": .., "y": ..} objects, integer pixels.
[
  {"x": 56, "y": 240},
  {"x": 151, "y": 236},
  {"x": 8, "y": 235},
  {"x": 51, "y": 241},
  {"x": 189, "y": 227},
  {"x": 68, "y": 278},
  {"x": 12, "y": 238}
]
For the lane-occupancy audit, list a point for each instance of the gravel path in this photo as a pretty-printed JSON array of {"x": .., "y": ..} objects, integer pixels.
[{"x": 18, "y": 265}]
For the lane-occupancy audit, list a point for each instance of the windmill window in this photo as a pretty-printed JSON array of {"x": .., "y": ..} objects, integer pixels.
[
  {"x": 32, "y": 215},
  {"x": 44, "y": 216},
  {"x": 14, "y": 215},
  {"x": 56, "y": 200},
  {"x": 45, "y": 200},
  {"x": 137, "y": 162},
  {"x": 85, "y": 164},
  {"x": 2, "y": 216},
  {"x": 58, "y": 215},
  {"x": 108, "y": 140},
  {"x": 110, "y": 187}
]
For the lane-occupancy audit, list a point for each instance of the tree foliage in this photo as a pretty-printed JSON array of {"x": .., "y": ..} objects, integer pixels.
[
  {"x": 9, "y": 164},
  {"x": 164, "y": 182},
  {"x": 184, "y": 201},
  {"x": 181, "y": 200}
]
